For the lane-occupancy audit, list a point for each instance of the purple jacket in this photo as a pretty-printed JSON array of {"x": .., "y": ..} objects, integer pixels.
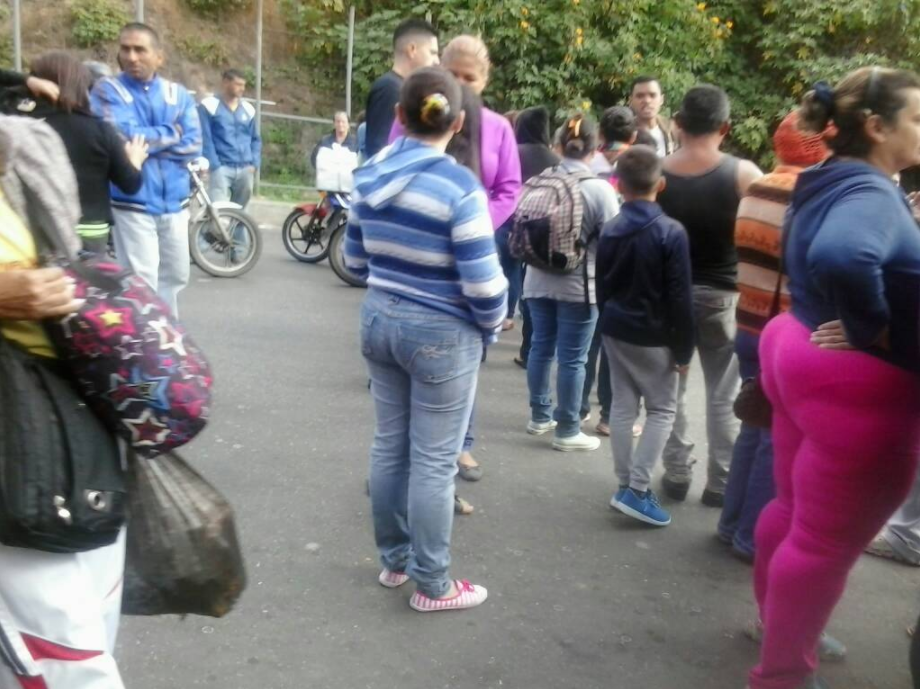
[{"x": 499, "y": 162}]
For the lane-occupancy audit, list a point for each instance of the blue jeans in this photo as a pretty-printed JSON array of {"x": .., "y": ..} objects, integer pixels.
[
  {"x": 423, "y": 366},
  {"x": 604, "y": 394},
  {"x": 231, "y": 184},
  {"x": 750, "y": 480},
  {"x": 511, "y": 267},
  {"x": 561, "y": 330}
]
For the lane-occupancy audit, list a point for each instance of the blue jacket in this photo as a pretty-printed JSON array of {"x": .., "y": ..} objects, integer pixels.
[
  {"x": 164, "y": 113},
  {"x": 853, "y": 253},
  {"x": 230, "y": 138},
  {"x": 644, "y": 289},
  {"x": 419, "y": 227}
]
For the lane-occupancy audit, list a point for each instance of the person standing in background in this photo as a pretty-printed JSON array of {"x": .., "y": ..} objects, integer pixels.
[
  {"x": 646, "y": 99},
  {"x": 231, "y": 141},
  {"x": 704, "y": 189},
  {"x": 151, "y": 226},
  {"x": 415, "y": 45}
]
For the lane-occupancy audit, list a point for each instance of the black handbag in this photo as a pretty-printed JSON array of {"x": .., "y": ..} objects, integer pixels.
[{"x": 62, "y": 487}]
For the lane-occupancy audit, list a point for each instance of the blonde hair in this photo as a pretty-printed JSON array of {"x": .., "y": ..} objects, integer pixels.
[{"x": 466, "y": 45}]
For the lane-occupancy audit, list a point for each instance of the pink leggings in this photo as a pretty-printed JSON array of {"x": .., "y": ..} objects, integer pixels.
[{"x": 846, "y": 435}]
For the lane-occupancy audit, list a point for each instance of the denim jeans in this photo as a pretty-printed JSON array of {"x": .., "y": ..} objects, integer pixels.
[
  {"x": 511, "y": 267},
  {"x": 602, "y": 374},
  {"x": 231, "y": 184},
  {"x": 714, "y": 313},
  {"x": 561, "y": 330},
  {"x": 750, "y": 481},
  {"x": 423, "y": 366},
  {"x": 156, "y": 248}
]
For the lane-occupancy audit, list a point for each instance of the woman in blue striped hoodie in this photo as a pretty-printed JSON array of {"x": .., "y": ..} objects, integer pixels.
[{"x": 419, "y": 232}]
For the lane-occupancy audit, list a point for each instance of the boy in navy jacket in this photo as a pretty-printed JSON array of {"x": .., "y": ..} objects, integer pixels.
[{"x": 643, "y": 282}]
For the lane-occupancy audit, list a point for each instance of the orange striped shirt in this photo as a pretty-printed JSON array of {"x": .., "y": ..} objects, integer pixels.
[{"x": 758, "y": 239}]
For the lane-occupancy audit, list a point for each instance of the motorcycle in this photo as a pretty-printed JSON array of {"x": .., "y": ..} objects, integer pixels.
[
  {"x": 307, "y": 231},
  {"x": 224, "y": 241}
]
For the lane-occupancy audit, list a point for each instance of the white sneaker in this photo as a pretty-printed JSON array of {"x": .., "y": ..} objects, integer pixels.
[
  {"x": 576, "y": 443},
  {"x": 541, "y": 427}
]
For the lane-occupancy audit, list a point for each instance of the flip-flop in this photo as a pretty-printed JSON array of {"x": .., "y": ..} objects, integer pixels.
[{"x": 462, "y": 507}]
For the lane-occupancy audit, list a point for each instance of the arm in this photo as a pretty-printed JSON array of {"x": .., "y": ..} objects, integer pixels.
[
  {"x": 506, "y": 189},
  {"x": 121, "y": 172},
  {"x": 748, "y": 173},
  {"x": 481, "y": 278},
  {"x": 256, "y": 144},
  {"x": 604, "y": 261},
  {"x": 356, "y": 257},
  {"x": 188, "y": 147},
  {"x": 846, "y": 260},
  {"x": 108, "y": 104},
  {"x": 208, "y": 150},
  {"x": 680, "y": 295}
]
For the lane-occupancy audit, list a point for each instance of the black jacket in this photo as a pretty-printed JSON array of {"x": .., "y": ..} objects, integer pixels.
[
  {"x": 532, "y": 135},
  {"x": 643, "y": 280},
  {"x": 351, "y": 143}
]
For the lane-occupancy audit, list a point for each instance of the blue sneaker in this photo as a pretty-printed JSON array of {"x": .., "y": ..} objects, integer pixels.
[
  {"x": 645, "y": 508},
  {"x": 618, "y": 497}
]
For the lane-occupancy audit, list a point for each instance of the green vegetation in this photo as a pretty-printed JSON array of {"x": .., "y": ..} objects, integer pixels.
[
  {"x": 209, "y": 52},
  {"x": 584, "y": 53},
  {"x": 216, "y": 7},
  {"x": 96, "y": 22}
]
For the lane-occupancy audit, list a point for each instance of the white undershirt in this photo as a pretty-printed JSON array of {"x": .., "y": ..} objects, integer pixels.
[{"x": 660, "y": 143}]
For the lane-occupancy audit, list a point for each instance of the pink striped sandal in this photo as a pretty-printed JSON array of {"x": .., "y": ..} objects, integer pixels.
[
  {"x": 392, "y": 580},
  {"x": 468, "y": 596}
]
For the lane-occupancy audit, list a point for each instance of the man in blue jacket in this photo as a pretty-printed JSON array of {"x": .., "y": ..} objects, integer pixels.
[
  {"x": 231, "y": 141},
  {"x": 151, "y": 226}
]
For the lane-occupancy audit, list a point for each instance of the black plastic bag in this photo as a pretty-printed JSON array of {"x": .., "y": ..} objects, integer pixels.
[{"x": 183, "y": 556}]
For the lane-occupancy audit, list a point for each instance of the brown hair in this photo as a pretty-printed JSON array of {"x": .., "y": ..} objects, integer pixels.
[
  {"x": 72, "y": 77},
  {"x": 432, "y": 100},
  {"x": 865, "y": 92}
]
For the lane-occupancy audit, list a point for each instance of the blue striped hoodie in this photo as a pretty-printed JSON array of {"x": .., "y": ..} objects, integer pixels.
[{"x": 419, "y": 227}]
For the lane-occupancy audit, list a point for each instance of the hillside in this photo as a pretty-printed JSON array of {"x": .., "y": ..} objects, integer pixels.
[{"x": 197, "y": 49}]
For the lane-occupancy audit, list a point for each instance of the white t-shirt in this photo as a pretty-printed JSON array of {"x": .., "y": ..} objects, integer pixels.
[{"x": 660, "y": 143}]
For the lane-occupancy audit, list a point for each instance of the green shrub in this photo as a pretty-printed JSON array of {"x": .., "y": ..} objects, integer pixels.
[
  {"x": 96, "y": 22},
  {"x": 211, "y": 53},
  {"x": 212, "y": 7}
]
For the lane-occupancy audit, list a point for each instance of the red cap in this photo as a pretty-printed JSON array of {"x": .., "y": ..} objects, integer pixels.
[{"x": 795, "y": 147}]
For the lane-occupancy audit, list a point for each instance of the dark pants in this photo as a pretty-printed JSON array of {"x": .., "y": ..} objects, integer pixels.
[
  {"x": 915, "y": 656},
  {"x": 750, "y": 480},
  {"x": 604, "y": 394},
  {"x": 511, "y": 267}
]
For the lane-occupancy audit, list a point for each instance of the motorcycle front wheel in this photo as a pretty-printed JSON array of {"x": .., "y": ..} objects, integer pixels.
[
  {"x": 217, "y": 257},
  {"x": 306, "y": 236},
  {"x": 337, "y": 258}
]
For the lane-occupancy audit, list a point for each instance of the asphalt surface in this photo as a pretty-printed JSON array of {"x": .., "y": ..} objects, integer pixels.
[{"x": 580, "y": 597}]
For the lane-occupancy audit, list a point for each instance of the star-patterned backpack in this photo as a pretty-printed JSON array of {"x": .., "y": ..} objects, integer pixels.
[{"x": 134, "y": 364}]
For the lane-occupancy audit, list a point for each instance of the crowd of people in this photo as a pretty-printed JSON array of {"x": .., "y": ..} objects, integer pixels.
[
  {"x": 632, "y": 247},
  {"x": 643, "y": 242}
]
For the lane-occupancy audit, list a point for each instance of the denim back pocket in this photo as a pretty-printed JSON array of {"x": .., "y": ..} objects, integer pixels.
[
  {"x": 368, "y": 318},
  {"x": 429, "y": 352}
]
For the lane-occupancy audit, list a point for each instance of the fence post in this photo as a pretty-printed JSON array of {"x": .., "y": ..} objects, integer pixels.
[
  {"x": 17, "y": 36},
  {"x": 350, "y": 60},
  {"x": 139, "y": 6},
  {"x": 258, "y": 178}
]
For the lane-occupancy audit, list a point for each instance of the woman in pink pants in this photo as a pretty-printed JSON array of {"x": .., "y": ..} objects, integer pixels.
[{"x": 846, "y": 406}]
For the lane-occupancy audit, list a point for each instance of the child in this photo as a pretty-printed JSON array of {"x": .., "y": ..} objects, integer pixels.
[{"x": 643, "y": 282}]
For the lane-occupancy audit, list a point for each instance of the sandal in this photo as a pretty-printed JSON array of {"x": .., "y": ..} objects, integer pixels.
[{"x": 462, "y": 507}]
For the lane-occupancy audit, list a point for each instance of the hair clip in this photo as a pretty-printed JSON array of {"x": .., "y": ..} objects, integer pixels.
[
  {"x": 575, "y": 126},
  {"x": 432, "y": 105}
]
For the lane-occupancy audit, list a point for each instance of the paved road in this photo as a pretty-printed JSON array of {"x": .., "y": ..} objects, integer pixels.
[{"x": 581, "y": 598}]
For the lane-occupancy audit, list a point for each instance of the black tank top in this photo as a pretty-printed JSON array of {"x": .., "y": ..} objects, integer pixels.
[{"x": 706, "y": 205}]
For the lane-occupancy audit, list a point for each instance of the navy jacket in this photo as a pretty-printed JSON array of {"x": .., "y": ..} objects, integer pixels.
[
  {"x": 643, "y": 280},
  {"x": 165, "y": 114},
  {"x": 853, "y": 253},
  {"x": 230, "y": 137}
]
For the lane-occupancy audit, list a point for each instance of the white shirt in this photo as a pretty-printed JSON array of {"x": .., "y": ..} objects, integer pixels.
[{"x": 660, "y": 143}]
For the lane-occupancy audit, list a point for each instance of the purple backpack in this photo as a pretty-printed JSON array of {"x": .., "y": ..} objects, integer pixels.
[{"x": 133, "y": 363}]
